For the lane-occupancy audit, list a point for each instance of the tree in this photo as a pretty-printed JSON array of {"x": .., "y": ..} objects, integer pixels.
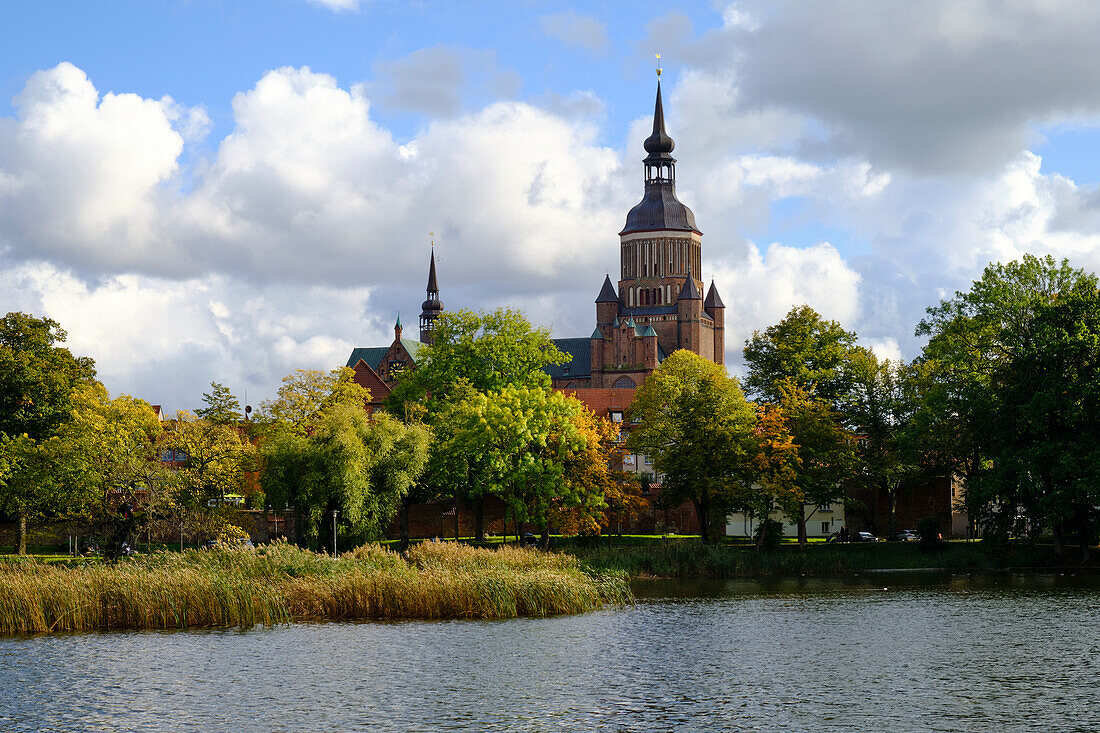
[
  {"x": 1044, "y": 446},
  {"x": 514, "y": 443},
  {"x": 106, "y": 453},
  {"x": 695, "y": 423},
  {"x": 358, "y": 466},
  {"x": 222, "y": 407},
  {"x": 973, "y": 336},
  {"x": 218, "y": 460},
  {"x": 774, "y": 468},
  {"x": 826, "y": 454},
  {"x": 487, "y": 351},
  {"x": 879, "y": 407},
  {"x": 305, "y": 394},
  {"x": 37, "y": 380},
  {"x": 479, "y": 352},
  {"x": 803, "y": 349}
]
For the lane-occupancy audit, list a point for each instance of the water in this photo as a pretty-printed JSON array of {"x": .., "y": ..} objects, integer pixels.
[{"x": 897, "y": 652}]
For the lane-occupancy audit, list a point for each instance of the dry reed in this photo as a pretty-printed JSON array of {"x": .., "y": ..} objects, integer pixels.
[{"x": 280, "y": 583}]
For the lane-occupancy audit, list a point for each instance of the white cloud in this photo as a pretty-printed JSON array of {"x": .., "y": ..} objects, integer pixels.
[
  {"x": 165, "y": 340},
  {"x": 760, "y": 290},
  {"x": 339, "y": 5}
]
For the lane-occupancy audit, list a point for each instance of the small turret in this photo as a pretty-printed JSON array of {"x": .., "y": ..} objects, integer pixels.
[{"x": 607, "y": 303}]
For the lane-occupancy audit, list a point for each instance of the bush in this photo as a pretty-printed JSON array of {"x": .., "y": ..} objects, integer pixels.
[
  {"x": 772, "y": 532},
  {"x": 930, "y": 533}
]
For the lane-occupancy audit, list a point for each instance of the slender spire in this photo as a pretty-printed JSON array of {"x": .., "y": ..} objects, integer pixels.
[
  {"x": 714, "y": 300},
  {"x": 433, "y": 286},
  {"x": 659, "y": 143},
  {"x": 689, "y": 291}
]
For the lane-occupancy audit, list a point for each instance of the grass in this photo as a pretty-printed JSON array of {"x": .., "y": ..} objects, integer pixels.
[
  {"x": 280, "y": 583},
  {"x": 691, "y": 559}
]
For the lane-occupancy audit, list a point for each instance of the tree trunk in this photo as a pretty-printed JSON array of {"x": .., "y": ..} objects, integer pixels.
[
  {"x": 701, "y": 511},
  {"x": 404, "y": 520},
  {"x": 22, "y": 550},
  {"x": 802, "y": 526},
  {"x": 479, "y": 519},
  {"x": 892, "y": 508},
  {"x": 545, "y": 539}
]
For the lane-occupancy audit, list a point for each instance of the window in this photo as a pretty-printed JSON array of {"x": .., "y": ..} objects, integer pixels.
[
  {"x": 824, "y": 528},
  {"x": 395, "y": 365},
  {"x": 569, "y": 385},
  {"x": 616, "y": 416},
  {"x": 623, "y": 383},
  {"x": 825, "y": 506}
]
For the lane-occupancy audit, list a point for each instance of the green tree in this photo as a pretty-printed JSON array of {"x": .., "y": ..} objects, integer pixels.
[
  {"x": 514, "y": 443},
  {"x": 37, "y": 379},
  {"x": 695, "y": 423},
  {"x": 826, "y": 454},
  {"x": 222, "y": 407},
  {"x": 355, "y": 465},
  {"x": 106, "y": 454},
  {"x": 219, "y": 459},
  {"x": 879, "y": 408},
  {"x": 1045, "y": 443},
  {"x": 803, "y": 349},
  {"x": 483, "y": 352},
  {"x": 974, "y": 336},
  {"x": 305, "y": 394},
  {"x": 487, "y": 351}
]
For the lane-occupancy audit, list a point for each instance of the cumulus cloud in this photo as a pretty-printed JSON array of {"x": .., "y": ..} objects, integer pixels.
[
  {"x": 165, "y": 340},
  {"x": 761, "y": 289},
  {"x": 942, "y": 87}
]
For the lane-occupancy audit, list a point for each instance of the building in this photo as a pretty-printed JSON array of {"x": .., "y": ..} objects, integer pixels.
[
  {"x": 377, "y": 367},
  {"x": 821, "y": 521},
  {"x": 657, "y": 306}
]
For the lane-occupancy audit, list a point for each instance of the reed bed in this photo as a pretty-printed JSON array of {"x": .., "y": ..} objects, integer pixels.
[{"x": 280, "y": 583}]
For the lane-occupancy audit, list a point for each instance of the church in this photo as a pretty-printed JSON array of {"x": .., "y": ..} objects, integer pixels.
[{"x": 655, "y": 308}]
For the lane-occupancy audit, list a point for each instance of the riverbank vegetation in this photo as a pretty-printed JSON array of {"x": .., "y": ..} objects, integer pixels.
[
  {"x": 685, "y": 559},
  {"x": 280, "y": 583}
]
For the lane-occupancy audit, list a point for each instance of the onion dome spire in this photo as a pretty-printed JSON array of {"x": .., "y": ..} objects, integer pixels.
[
  {"x": 432, "y": 307},
  {"x": 659, "y": 143}
]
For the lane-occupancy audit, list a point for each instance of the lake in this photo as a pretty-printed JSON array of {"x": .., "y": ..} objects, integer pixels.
[{"x": 879, "y": 651}]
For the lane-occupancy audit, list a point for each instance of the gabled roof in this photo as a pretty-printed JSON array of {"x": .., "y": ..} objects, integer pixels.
[
  {"x": 648, "y": 332},
  {"x": 372, "y": 355},
  {"x": 581, "y": 364}
]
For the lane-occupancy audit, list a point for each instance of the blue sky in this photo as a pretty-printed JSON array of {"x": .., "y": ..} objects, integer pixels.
[{"x": 229, "y": 190}]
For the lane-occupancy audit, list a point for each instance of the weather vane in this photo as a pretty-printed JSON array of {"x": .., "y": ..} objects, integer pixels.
[{"x": 658, "y": 63}]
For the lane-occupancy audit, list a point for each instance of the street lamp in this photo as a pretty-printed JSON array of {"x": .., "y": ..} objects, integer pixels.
[{"x": 334, "y": 513}]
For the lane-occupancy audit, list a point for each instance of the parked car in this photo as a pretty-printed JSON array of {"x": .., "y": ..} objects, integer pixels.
[
  {"x": 866, "y": 537},
  {"x": 907, "y": 535}
]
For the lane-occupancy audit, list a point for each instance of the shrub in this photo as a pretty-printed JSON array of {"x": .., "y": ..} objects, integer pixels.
[
  {"x": 930, "y": 533},
  {"x": 772, "y": 532}
]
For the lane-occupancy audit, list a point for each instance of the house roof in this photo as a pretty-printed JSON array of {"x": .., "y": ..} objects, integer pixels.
[
  {"x": 580, "y": 366},
  {"x": 372, "y": 355}
]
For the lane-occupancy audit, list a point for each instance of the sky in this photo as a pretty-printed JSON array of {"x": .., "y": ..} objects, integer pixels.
[{"x": 229, "y": 191}]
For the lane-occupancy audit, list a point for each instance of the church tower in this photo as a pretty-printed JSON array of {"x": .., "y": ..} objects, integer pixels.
[
  {"x": 658, "y": 306},
  {"x": 430, "y": 308}
]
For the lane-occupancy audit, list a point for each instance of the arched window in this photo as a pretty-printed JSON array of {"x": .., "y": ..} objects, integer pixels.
[
  {"x": 570, "y": 385},
  {"x": 623, "y": 383}
]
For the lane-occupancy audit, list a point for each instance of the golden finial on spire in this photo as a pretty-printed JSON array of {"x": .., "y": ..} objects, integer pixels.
[
  {"x": 431, "y": 235},
  {"x": 658, "y": 63}
]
